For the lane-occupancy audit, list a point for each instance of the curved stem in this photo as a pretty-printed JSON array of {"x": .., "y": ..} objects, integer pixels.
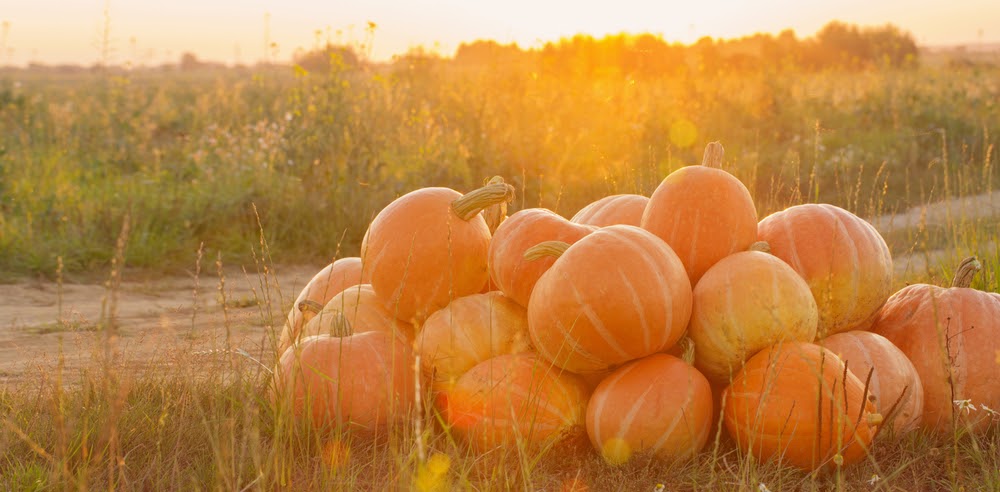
[
  {"x": 713, "y": 155},
  {"x": 475, "y": 201},
  {"x": 495, "y": 214},
  {"x": 309, "y": 306},
  {"x": 761, "y": 246},
  {"x": 966, "y": 272},
  {"x": 546, "y": 248}
]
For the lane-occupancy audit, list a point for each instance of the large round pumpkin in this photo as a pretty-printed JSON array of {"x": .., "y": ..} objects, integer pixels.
[
  {"x": 428, "y": 247},
  {"x": 327, "y": 283},
  {"x": 514, "y": 399},
  {"x": 843, "y": 259},
  {"x": 363, "y": 311},
  {"x": 616, "y": 295},
  {"x": 952, "y": 336},
  {"x": 792, "y": 403},
  {"x": 511, "y": 273},
  {"x": 624, "y": 209},
  {"x": 658, "y": 405},
  {"x": 703, "y": 213},
  {"x": 361, "y": 383},
  {"x": 470, "y": 330},
  {"x": 894, "y": 380},
  {"x": 745, "y": 303}
]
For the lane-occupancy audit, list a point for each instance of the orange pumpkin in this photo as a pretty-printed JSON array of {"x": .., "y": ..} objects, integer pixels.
[
  {"x": 843, "y": 259},
  {"x": 795, "y": 402},
  {"x": 745, "y": 303},
  {"x": 514, "y": 399},
  {"x": 470, "y": 330},
  {"x": 428, "y": 247},
  {"x": 703, "y": 213},
  {"x": 658, "y": 404},
  {"x": 894, "y": 379},
  {"x": 952, "y": 336},
  {"x": 360, "y": 383},
  {"x": 363, "y": 310},
  {"x": 327, "y": 283},
  {"x": 615, "y": 209},
  {"x": 618, "y": 294},
  {"x": 511, "y": 273}
]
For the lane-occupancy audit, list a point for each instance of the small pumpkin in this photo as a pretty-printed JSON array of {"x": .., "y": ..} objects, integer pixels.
[
  {"x": 894, "y": 384},
  {"x": 618, "y": 294},
  {"x": 327, "y": 283},
  {"x": 952, "y": 336},
  {"x": 428, "y": 247},
  {"x": 659, "y": 405},
  {"x": 470, "y": 330},
  {"x": 510, "y": 272},
  {"x": 703, "y": 213},
  {"x": 797, "y": 403},
  {"x": 363, "y": 310},
  {"x": 615, "y": 209},
  {"x": 844, "y": 260}
]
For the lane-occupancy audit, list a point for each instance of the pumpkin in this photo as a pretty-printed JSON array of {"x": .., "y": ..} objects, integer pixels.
[
  {"x": 843, "y": 259},
  {"x": 361, "y": 383},
  {"x": 363, "y": 310},
  {"x": 618, "y": 294},
  {"x": 428, "y": 247},
  {"x": 510, "y": 272},
  {"x": 514, "y": 399},
  {"x": 796, "y": 402},
  {"x": 615, "y": 209},
  {"x": 658, "y": 405},
  {"x": 952, "y": 336},
  {"x": 703, "y": 213},
  {"x": 894, "y": 379},
  {"x": 747, "y": 302},
  {"x": 470, "y": 330},
  {"x": 327, "y": 283}
]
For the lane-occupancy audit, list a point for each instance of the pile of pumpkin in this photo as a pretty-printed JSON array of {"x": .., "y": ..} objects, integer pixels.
[{"x": 639, "y": 320}]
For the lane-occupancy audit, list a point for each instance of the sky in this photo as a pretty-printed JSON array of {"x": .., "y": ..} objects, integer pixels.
[{"x": 146, "y": 32}]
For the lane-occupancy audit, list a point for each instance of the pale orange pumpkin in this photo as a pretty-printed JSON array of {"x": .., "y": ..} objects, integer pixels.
[
  {"x": 467, "y": 331},
  {"x": 624, "y": 209},
  {"x": 796, "y": 403},
  {"x": 511, "y": 273},
  {"x": 894, "y": 381},
  {"x": 843, "y": 259},
  {"x": 952, "y": 336},
  {"x": 703, "y": 213},
  {"x": 747, "y": 302},
  {"x": 428, "y": 247},
  {"x": 327, "y": 283},
  {"x": 514, "y": 400},
  {"x": 618, "y": 294},
  {"x": 363, "y": 310},
  {"x": 658, "y": 405}
]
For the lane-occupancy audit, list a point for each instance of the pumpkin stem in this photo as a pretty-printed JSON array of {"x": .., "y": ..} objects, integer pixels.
[
  {"x": 713, "y": 155},
  {"x": 340, "y": 326},
  {"x": 310, "y": 306},
  {"x": 966, "y": 272},
  {"x": 496, "y": 213},
  {"x": 476, "y": 200},
  {"x": 546, "y": 248},
  {"x": 687, "y": 346},
  {"x": 761, "y": 246},
  {"x": 875, "y": 419}
]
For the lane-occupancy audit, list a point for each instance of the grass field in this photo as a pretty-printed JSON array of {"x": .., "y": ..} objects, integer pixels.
[{"x": 152, "y": 170}]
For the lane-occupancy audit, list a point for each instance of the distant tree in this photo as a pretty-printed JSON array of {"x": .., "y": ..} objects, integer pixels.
[
  {"x": 189, "y": 61},
  {"x": 327, "y": 58}
]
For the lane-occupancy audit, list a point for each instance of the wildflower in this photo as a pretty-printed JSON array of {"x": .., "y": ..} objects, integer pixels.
[
  {"x": 965, "y": 405},
  {"x": 875, "y": 478},
  {"x": 763, "y": 488}
]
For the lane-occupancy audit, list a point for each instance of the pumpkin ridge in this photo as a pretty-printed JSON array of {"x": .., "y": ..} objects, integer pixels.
[
  {"x": 596, "y": 322},
  {"x": 643, "y": 254},
  {"x": 637, "y": 303},
  {"x": 604, "y": 396}
]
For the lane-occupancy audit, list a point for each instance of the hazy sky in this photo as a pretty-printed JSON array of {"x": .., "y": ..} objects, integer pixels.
[{"x": 156, "y": 31}]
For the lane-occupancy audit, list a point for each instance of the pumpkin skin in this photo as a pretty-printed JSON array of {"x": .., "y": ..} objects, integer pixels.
[
  {"x": 428, "y": 247},
  {"x": 616, "y": 295},
  {"x": 514, "y": 399},
  {"x": 624, "y": 209},
  {"x": 844, "y": 260},
  {"x": 327, "y": 283},
  {"x": 658, "y": 404},
  {"x": 363, "y": 310},
  {"x": 745, "y": 303},
  {"x": 467, "y": 331},
  {"x": 703, "y": 213},
  {"x": 361, "y": 383},
  {"x": 892, "y": 374},
  {"x": 510, "y": 272},
  {"x": 770, "y": 408},
  {"x": 948, "y": 333}
]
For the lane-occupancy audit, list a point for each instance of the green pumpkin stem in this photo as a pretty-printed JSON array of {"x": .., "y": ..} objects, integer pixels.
[
  {"x": 475, "y": 201},
  {"x": 495, "y": 214},
  {"x": 966, "y": 272},
  {"x": 309, "y": 306},
  {"x": 546, "y": 248},
  {"x": 761, "y": 246},
  {"x": 713, "y": 155}
]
